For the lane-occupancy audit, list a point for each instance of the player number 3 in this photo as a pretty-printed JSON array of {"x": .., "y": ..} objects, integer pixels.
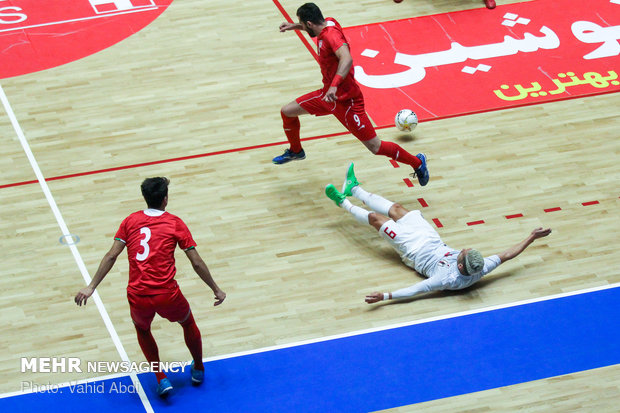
[{"x": 144, "y": 242}]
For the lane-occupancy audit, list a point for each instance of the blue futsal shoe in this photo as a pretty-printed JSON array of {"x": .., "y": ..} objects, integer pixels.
[
  {"x": 422, "y": 172},
  {"x": 198, "y": 376},
  {"x": 288, "y": 156},
  {"x": 164, "y": 388}
]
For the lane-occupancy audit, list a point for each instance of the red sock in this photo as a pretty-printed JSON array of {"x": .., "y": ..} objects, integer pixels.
[
  {"x": 149, "y": 348},
  {"x": 193, "y": 341},
  {"x": 291, "y": 129},
  {"x": 394, "y": 151}
]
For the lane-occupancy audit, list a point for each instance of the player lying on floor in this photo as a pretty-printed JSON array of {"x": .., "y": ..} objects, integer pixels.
[{"x": 419, "y": 245}]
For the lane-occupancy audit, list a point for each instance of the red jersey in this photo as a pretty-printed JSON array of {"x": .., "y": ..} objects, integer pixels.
[
  {"x": 151, "y": 237},
  {"x": 331, "y": 39}
]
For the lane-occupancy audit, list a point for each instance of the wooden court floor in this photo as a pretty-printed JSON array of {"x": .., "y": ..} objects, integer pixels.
[{"x": 212, "y": 76}]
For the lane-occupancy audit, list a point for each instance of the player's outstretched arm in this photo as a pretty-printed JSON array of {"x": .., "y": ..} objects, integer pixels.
[
  {"x": 203, "y": 272},
  {"x": 517, "y": 249},
  {"x": 105, "y": 266},
  {"x": 290, "y": 26},
  {"x": 376, "y": 297},
  {"x": 430, "y": 284}
]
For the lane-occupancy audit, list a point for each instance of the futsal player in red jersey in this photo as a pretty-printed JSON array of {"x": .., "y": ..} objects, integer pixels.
[
  {"x": 151, "y": 236},
  {"x": 340, "y": 96}
]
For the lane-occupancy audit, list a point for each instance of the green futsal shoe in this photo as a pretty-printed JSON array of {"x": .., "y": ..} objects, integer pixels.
[
  {"x": 350, "y": 181},
  {"x": 333, "y": 194}
]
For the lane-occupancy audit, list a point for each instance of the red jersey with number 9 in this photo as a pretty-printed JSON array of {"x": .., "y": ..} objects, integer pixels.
[
  {"x": 151, "y": 237},
  {"x": 329, "y": 40}
]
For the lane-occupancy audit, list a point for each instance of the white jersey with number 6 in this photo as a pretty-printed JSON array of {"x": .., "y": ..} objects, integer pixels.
[{"x": 421, "y": 248}]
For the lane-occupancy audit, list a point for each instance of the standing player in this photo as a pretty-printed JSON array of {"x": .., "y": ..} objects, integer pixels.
[
  {"x": 151, "y": 237},
  {"x": 419, "y": 244},
  {"x": 340, "y": 96}
]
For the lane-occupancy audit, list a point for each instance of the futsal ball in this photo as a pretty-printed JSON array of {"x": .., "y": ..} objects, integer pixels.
[{"x": 406, "y": 120}]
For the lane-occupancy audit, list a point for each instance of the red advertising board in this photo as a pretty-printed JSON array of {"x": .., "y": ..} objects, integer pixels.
[{"x": 477, "y": 60}]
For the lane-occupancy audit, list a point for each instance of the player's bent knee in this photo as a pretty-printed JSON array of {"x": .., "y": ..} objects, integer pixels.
[
  {"x": 293, "y": 110},
  {"x": 285, "y": 112},
  {"x": 397, "y": 211},
  {"x": 372, "y": 218},
  {"x": 376, "y": 220},
  {"x": 288, "y": 110}
]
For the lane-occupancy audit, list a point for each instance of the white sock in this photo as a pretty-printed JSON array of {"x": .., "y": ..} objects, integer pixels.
[
  {"x": 360, "y": 214},
  {"x": 376, "y": 202}
]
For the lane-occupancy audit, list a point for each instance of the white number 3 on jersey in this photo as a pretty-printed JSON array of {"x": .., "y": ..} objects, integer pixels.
[{"x": 147, "y": 236}]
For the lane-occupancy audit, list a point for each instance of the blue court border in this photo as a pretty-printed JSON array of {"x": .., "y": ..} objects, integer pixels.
[{"x": 388, "y": 368}]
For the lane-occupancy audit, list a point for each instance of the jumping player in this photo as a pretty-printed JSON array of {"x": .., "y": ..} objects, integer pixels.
[
  {"x": 151, "y": 237},
  {"x": 419, "y": 244},
  {"x": 340, "y": 96}
]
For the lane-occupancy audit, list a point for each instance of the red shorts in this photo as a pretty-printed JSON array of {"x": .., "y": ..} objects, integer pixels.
[
  {"x": 171, "y": 305},
  {"x": 350, "y": 112}
]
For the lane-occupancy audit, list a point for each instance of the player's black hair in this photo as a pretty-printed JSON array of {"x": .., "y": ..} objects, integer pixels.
[
  {"x": 310, "y": 12},
  {"x": 154, "y": 190}
]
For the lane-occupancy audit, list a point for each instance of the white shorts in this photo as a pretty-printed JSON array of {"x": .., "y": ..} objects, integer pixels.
[{"x": 409, "y": 235}]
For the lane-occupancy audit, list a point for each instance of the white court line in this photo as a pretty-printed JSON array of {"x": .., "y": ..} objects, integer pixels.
[
  {"x": 411, "y": 323},
  {"x": 74, "y": 250},
  {"x": 354, "y": 333},
  {"x": 79, "y": 19}
]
